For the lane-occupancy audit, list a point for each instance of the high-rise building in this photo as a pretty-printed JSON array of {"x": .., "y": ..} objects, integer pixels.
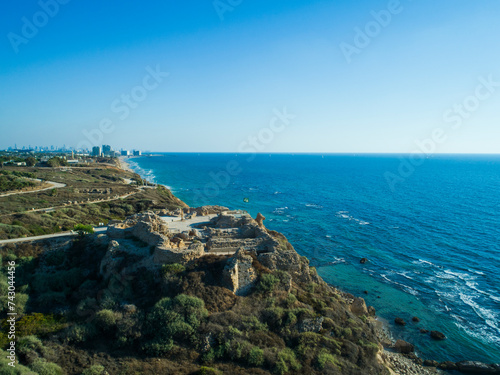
[
  {"x": 106, "y": 150},
  {"x": 137, "y": 153},
  {"x": 96, "y": 151},
  {"x": 125, "y": 153}
]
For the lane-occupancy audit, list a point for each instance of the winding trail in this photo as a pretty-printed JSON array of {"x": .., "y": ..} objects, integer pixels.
[
  {"x": 53, "y": 185},
  {"x": 47, "y": 236}
]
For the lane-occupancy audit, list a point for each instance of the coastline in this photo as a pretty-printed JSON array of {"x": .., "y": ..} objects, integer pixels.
[
  {"x": 396, "y": 362},
  {"x": 122, "y": 164}
]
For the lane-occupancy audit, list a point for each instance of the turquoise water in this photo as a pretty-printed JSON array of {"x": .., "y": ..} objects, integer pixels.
[{"x": 432, "y": 242}]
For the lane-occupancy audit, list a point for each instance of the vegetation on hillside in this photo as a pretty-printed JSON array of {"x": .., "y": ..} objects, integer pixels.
[
  {"x": 15, "y": 180},
  {"x": 178, "y": 319},
  {"x": 88, "y": 189}
]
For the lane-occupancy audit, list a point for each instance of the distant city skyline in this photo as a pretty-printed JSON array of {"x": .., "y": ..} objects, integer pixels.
[{"x": 262, "y": 76}]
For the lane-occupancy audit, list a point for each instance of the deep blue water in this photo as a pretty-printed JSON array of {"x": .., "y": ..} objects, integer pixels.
[{"x": 432, "y": 243}]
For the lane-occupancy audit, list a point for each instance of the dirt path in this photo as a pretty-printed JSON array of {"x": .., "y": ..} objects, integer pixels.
[{"x": 52, "y": 185}]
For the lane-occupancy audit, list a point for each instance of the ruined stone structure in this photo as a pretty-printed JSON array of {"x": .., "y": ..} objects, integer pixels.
[{"x": 234, "y": 233}]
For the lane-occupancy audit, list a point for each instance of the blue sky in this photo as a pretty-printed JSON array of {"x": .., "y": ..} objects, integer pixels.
[{"x": 232, "y": 67}]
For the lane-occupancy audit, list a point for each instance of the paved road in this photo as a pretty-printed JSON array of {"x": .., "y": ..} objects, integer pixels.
[
  {"x": 47, "y": 236},
  {"x": 53, "y": 185}
]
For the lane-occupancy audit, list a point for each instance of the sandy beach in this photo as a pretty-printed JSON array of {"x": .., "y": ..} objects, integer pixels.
[{"x": 123, "y": 164}]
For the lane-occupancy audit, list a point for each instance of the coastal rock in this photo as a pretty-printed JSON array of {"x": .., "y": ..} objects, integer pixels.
[
  {"x": 415, "y": 319},
  {"x": 448, "y": 365},
  {"x": 210, "y": 210},
  {"x": 431, "y": 363},
  {"x": 260, "y": 220},
  {"x": 358, "y": 307},
  {"x": 436, "y": 335},
  {"x": 363, "y": 260},
  {"x": 400, "y": 321},
  {"x": 472, "y": 367},
  {"x": 371, "y": 311},
  {"x": 404, "y": 347},
  {"x": 311, "y": 325},
  {"x": 422, "y": 330}
]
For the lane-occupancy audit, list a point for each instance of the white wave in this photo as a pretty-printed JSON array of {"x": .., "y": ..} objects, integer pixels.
[
  {"x": 277, "y": 192},
  {"x": 345, "y": 215},
  {"x": 406, "y": 288},
  {"x": 426, "y": 262},
  {"x": 494, "y": 298},
  {"x": 487, "y": 315},
  {"x": 461, "y": 275},
  {"x": 312, "y": 205},
  {"x": 480, "y": 333},
  {"x": 476, "y": 272},
  {"x": 405, "y": 274}
]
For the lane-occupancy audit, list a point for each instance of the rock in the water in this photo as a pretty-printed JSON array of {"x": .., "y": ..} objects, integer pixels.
[
  {"x": 448, "y": 365},
  {"x": 472, "y": 367},
  {"x": 404, "y": 347},
  {"x": 431, "y": 363},
  {"x": 363, "y": 260},
  {"x": 422, "y": 330},
  {"x": 415, "y": 319},
  {"x": 399, "y": 322},
  {"x": 436, "y": 335}
]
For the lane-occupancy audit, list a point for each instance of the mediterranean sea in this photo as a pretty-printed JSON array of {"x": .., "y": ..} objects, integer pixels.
[{"x": 430, "y": 232}]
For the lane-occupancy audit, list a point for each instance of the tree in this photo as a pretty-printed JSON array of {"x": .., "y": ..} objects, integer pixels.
[
  {"x": 31, "y": 161},
  {"x": 54, "y": 162},
  {"x": 83, "y": 229}
]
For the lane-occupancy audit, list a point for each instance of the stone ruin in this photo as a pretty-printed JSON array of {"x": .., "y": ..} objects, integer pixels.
[{"x": 232, "y": 233}]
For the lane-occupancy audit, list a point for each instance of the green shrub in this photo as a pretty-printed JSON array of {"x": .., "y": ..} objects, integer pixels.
[
  {"x": 324, "y": 357},
  {"x": 172, "y": 269},
  {"x": 43, "y": 367},
  {"x": 79, "y": 333},
  {"x": 208, "y": 371},
  {"x": 83, "y": 229},
  {"x": 177, "y": 318},
  {"x": 158, "y": 348},
  {"x": 107, "y": 319},
  {"x": 290, "y": 300},
  {"x": 287, "y": 357},
  {"x": 94, "y": 370},
  {"x": 251, "y": 323},
  {"x": 30, "y": 344},
  {"x": 11, "y": 257},
  {"x": 39, "y": 324},
  {"x": 256, "y": 357},
  {"x": 267, "y": 283},
  {"x": 6, "y": 369},
  {"x": 370, "y": 347}
]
